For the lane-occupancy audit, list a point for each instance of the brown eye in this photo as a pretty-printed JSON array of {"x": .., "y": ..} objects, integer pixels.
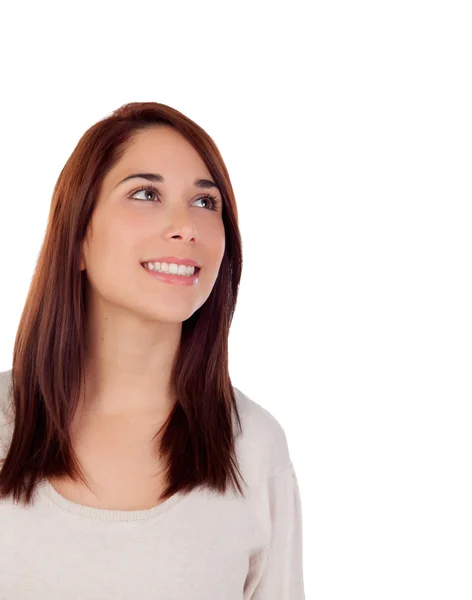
[
  {"x": 212, "y": 201},
  {"x": 150, "y": 194}
]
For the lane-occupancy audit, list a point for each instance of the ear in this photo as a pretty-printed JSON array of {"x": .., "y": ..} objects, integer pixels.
[
  {"x": 82, "y": 260},
  {"x": 83, "y": 250}
]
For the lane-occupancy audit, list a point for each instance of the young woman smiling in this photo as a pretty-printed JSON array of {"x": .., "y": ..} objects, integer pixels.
[{"x": 131, "y": 467}]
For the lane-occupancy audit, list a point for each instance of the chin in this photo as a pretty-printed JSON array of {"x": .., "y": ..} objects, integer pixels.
[{"x": 168, "y": 315}]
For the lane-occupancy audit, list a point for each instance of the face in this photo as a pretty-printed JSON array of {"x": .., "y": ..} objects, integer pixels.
[{"x": 172, "y": 217}]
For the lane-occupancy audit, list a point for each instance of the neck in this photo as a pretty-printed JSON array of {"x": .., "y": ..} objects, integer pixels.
[{"x": 128, "y": 363}]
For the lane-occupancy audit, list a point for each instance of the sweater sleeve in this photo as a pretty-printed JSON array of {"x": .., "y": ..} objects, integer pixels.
[
  {"x": 277, "y": 573},
  {"x": 7, "y": 417}
]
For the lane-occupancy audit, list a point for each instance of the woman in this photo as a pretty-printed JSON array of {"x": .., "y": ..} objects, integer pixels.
[{"x": 130, "y": 465}]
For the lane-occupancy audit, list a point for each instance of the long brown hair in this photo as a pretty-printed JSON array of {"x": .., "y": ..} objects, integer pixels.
[{"x": 198, "y": 442}]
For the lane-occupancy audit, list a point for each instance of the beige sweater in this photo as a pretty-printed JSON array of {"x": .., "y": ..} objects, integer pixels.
[{"x": 198, "y": 546}]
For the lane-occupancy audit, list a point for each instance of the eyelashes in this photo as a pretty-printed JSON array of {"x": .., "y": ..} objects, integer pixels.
[{"x": 214, "y": 200}]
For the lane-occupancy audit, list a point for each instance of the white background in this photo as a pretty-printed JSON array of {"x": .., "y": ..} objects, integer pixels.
[{"x": 346, "y": 129}]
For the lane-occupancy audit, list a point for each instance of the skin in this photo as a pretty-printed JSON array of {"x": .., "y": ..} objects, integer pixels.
[{"x": 134, "y": 321}]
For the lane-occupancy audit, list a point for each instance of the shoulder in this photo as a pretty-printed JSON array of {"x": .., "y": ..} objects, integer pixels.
[
  {"x": 6, "y": 411},
  {"x": 263, "y": 444}
]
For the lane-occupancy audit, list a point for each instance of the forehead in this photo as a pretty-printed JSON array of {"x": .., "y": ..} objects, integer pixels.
[{"x": 164, "y": 150}]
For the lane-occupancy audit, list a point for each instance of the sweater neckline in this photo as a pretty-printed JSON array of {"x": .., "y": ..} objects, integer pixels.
[{"x": 46, "y": 489}]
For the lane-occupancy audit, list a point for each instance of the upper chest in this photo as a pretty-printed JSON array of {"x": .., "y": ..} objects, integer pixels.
[{"x": 119, "y": 458}]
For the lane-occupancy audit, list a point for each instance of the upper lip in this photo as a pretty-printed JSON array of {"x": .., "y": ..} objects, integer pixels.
[{"x": 174, "y": 259}]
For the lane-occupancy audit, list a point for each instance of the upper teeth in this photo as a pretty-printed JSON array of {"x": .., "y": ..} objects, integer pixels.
[{"x": 172, "y": 268}]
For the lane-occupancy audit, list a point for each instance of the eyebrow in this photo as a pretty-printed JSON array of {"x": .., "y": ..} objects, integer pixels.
[{"x": 200, "y": 183}]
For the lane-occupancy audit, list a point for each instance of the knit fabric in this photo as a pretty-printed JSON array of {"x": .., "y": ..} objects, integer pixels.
[{"x": 196, "y": 546}]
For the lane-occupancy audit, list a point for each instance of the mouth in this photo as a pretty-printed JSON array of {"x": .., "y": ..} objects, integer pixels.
[
  {"x": 147, "y": 266},
  {"x": 174, "y": 278}
]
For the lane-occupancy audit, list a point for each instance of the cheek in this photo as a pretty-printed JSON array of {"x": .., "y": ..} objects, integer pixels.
[
  {"x": 218, "y": 244},
  {"x": 109, "y": 244},
  {"x": 212, "y": 236}
]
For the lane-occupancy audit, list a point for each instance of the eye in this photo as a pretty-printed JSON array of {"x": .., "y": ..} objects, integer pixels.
[
  {"x": 212, "y": 201},
  {"x": 147, "y": 189}
]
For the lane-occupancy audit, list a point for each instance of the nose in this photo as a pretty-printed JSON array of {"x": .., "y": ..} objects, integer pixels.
[{"x": 181, "y": 225}]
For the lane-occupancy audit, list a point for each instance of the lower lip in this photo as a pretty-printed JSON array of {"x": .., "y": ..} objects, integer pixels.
[{"x": 177, "y": 279}]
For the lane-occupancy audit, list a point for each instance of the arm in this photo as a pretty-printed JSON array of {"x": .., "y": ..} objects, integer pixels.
[{"x": 277, "y": 573}]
